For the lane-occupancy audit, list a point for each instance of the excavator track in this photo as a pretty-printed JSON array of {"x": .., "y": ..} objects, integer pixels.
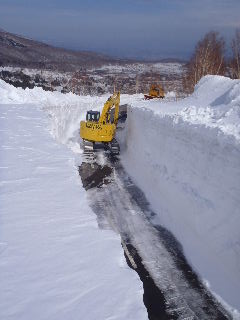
[
  {"x": 114, "y": 147},
  {"x": 88, "y": 145}
]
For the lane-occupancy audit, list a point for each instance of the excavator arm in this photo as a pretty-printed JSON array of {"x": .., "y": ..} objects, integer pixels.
[{"x": 114, "y": 100}]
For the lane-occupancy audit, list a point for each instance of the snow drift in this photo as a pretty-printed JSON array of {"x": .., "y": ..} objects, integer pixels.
[{"x": 186, "y": 158}]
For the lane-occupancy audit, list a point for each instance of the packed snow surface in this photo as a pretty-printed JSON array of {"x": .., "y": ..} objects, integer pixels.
[
  {"x": 185, "y": 156},
  {"x": 55, "y": 263}
]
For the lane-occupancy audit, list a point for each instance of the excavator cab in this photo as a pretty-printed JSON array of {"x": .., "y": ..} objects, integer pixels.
[{"x": 93, "y": 116}]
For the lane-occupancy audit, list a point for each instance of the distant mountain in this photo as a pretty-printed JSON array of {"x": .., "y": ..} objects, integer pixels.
[{"x": 22, "y": 52}]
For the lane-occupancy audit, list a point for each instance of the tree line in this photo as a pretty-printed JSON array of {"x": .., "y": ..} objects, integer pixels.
[{"x": 209, "y": 58}]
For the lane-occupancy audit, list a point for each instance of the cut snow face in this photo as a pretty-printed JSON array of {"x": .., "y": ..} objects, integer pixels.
[{"x": 185, "y": 156}]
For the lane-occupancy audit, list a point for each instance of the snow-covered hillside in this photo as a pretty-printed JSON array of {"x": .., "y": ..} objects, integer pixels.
[
  {"x": 161, "y": 67},
  {"x": 185, "y": 156},
  {"x": 129, "y": 78}
]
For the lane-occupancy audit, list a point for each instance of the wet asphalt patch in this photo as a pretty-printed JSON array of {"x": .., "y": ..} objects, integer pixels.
[
  {"x": 94, "y": 175},
  {"x": 153, "y": 298}
]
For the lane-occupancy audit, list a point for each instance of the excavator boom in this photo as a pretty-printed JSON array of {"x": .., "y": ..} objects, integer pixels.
[{"x": 112, "y": 101}]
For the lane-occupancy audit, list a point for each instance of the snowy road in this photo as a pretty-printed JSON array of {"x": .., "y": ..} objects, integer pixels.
[
  {"x": 121, "y": 206},
  {"x": 55, "y": 263}
]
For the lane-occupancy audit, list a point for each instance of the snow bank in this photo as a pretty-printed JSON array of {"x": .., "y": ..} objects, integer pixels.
[
  {"x": 10, "y": 94},
  {"x": 214, "y": 103},
  {"x": 185, "y": 156},
  {"x": 55, "y": 262}
]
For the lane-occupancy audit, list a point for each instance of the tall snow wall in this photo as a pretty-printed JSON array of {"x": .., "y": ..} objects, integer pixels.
[{"x": 190, "y": 174}]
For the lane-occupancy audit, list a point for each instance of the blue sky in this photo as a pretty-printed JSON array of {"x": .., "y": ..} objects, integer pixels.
[{"x": 130, "y": 28}]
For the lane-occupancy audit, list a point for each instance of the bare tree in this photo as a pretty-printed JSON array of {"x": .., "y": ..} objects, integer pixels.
[
  {"x": 208, "y": 58},
  {"x": 235, "y": 61}
]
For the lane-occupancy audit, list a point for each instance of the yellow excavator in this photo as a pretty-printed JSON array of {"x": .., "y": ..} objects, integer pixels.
[
  {"x": 101, "y": 128},
  {"x": 156, "y": 91}
]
